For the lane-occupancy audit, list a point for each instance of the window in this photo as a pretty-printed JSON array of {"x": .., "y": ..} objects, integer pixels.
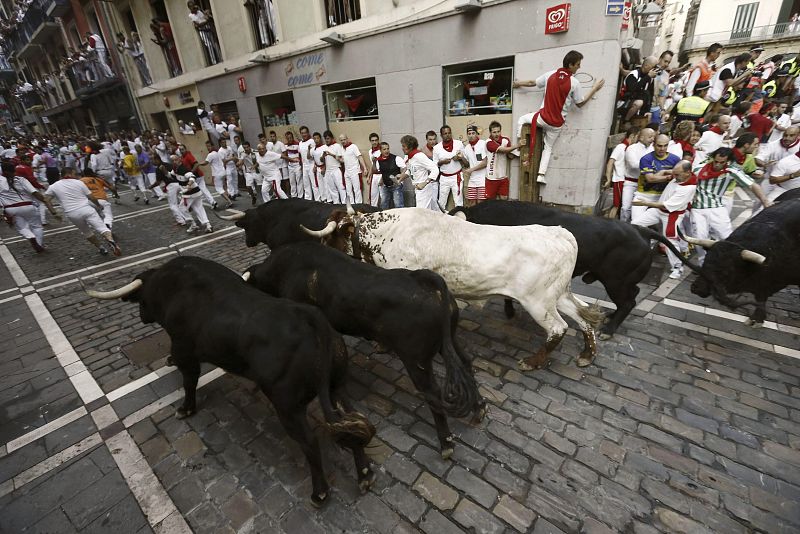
[
  {"x": 207, "y": 31},
  {"x": 744, "y": 20},
  {"x": 479, "y": 88},
  {"x": 342, "y": 11},
  {"x": 277, "y": 110},
  {"x": 350, "y": 101},
  {"x": 262, "y": 17}
]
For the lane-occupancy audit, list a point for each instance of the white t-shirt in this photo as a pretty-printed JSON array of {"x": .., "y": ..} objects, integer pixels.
[
  {"x": 375, "y": 154},
  {"x": 618, "y": 170},
  {"x": 784, "y": 121},
  {"x": 24, "y": 191},
  {"x": 293, "y": 153},
  {"x": 232, "y": 131},
  {"x": 268, "y": 165},
  {"x": 575, "y": 92},
  {"x": 215, "y": 160},
  {"x": 280, "y": 148},
  {"x": 633, "y": 156},
  {"x": 475, "y": 154},
  {"x": 225, "y": 153},
  {"x": 708, "y": 143},
  {"x": 676, "y": 197},
  {"x": 303, "y": 147},
  {"x": 330, "y": 161},
  {"x": 497, "y": 168},
  {"x": 351, "y": 155},
  {"x": 784, "y": 167},
  {"x": 439, "y": 153},
  {"x": 421, "y": 168},
  {"x": 718, "y": 85},
  {"x": 774, "y": 152},
  {"x": 38, "y": 165},
  {"x": 163, "y": 152},
  {"x": 319, "y": 160},
  {"x": 71, "y": 194},
  {"x": 205, "y": 120},
  {"x": 198, "y": 17}
]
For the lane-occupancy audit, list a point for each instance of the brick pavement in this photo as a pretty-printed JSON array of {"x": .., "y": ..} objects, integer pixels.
[{"x": 672, "y": 429}]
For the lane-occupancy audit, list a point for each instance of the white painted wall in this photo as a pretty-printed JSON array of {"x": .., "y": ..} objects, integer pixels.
[{"x": 717, "y": 15}]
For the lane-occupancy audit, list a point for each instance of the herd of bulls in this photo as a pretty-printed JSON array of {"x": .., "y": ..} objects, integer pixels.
[{"x": 393, "y": 276}]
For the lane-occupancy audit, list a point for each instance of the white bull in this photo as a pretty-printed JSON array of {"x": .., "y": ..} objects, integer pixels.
[{"x": 532, "y": 264}]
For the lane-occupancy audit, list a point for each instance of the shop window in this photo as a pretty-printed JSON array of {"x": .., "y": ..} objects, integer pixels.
[
  {"x": 479, "y": 88},
  {"x": 277, "y": 110},
  {"x": 356, "y": 100},
  {"x": 342, "y": 11}
]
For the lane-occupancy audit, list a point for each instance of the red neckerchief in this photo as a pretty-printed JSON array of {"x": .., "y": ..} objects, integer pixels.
[
  {"x": 348, "y": 144},
  {"x": 708, "y": 172},
  {"x": 715, "y": 129},
  {"x": 474, "y": 143},
  {"x": 448, "y": 146},
  {"x": 412, "y": 154},
  {"x": 381, "y": 158},
  {"x": 790, "y": 146},
  {"x": 685, "y": 145},
  {"x": 690, "y": 181},
  {"x": 330, "y": 144},
  {"x": 626, "y": 142},
  {"x": 739, "y": 156}
]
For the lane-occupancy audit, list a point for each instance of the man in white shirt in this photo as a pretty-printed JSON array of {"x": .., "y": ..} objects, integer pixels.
[
  {"x": 712, "y": 139},
  {"x": 423, "y": 173},
  {"x": 305, "y": 148},
  {"x": 615, "y": 168},
  {"x": 184, "y": 128},
  {"x": 276, "y": 145},
  {"x": 293, "y": 169},
  {"x": 447, "y": 156},
  {"x": 375, "y": 181},
  {"x": 252, "y": 177},
  {"x": 770, "y": 154},
  {"x": 17, "y": 197},
  {"x": 354, "y": 168},
  {"x": 785, "y": 176},
  {"x": 97, "y": 44},
  {"x": 476, "y": 160},
  {"x": 334, "y": 180},
  {"x": 268, "y": 162},
  {"x": 782, "y": 121},
  {"x": 81, "y": 209},
  {"x": 561, "y": 90},
  {"x": 218, "y": 173},
  {"x": 318, "y": 153},
  {"x": 726, "y": 77},
  {"x": 390, "y": 167},
  {"x": 204, "y": 118},
  {"x": 229, "y": 157},
  {"x": 633, "y": 155}
]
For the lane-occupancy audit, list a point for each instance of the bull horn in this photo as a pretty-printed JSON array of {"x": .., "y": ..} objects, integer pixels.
[
  {"x": 461, "y": 215},
  {"x": 755, "y": 257},
  {"x": 246, "y": 276},
  {"x": 328, "y": 230},
  {"x": 705, "y": 243},
  {"x": 350, "y": 210},
  {"x": 125, "y": 290},
  {"x": 235, "y": 217}
]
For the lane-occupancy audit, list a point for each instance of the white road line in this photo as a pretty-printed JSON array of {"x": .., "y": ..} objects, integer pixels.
[
  {"x": 9, "y": 299},
  {"x": 3, "y": 292},
  {"x": 130, "y": 387},
  {"x": 44, "y": 430},
  {"x": 145, "y": 486},
  {"x": 729, "y": 315},
  {"x": 13, "y": 267}
]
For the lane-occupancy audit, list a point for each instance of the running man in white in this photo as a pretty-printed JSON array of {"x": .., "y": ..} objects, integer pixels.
[
  {"x": 447, "y": 156},
  {"x": 375, "y": 181},
  {"x": 423, "y": 173},
  {"x": 80, "y": 208},
  {"x": 334, "y": 180},
  {"x": 252, "y": 178},
  {"x": 305, "y": 148},
  {"x": 192, "y": 198},
  {"x": 16, "y": 198},
  {"x": 354, "y": 168},
  {"x": 229, "y": 157},
  {"x": 214, "y": 159},
  {"x": 293, "y": 167},
  {"x": 268, "y": 162}
]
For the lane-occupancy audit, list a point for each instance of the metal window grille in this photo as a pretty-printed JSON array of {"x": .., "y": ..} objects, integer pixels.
[
  {"x": 744, "y": 21},
  {"x": 262, "y": 18},
  {"x": 342, "y": 11}
]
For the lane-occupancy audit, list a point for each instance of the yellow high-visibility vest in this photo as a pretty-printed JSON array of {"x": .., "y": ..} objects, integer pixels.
[
  {"x": 692, "y": 106},
  {"x": 770, "y": 88}
]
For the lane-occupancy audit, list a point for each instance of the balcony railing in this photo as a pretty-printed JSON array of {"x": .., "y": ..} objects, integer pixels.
[
  {"x": 35, "y": 17},
  {"x": 88, "y": 74},
  {"x": 782, "y": 30}
]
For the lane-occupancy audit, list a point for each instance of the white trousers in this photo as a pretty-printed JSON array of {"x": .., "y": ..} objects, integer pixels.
[
  {"x": 108, "y": 216},
  {"x": 335, "y": 184},
  {"x": 232, "y": 178},
  {"x": 651, "y": 216},
  {"x": 551, "y": 134},
  {"x": 628, "y": 190},
  {"x": 637, "y": 211},
  {"x": 710, "y": 222},
  {"x": 253, "y": 179},
  {"x": 310, "y": 189},
  {"x": 194, "y": 206},
  {"x": 177, "y": 208},
  {"x": 272, "y": 187},
  {"x": 375, "y": 189},
  {"x": 201, "y": 183},
  {"x": 220, "y": 184},
  {"x": 427, "y": 197},
  {"x": 451, "y": 184},
  {"x": 295, "y": 180},
  {"x": 151, "y": 179},
  {"x": 352, "y": 180},
  {"x": 27, "y": 222},
  {"x": 137, "y": 182},
  {"x": 87, "y": 220}
]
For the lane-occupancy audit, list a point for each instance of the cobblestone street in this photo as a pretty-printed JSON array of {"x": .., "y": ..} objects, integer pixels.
[{"x": 688, "y": 421}]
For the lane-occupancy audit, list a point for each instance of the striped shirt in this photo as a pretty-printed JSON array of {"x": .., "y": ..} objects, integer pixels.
[{"x": 710, "y": 191}]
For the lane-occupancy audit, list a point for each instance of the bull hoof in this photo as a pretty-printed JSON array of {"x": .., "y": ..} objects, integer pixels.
[
  {"x": 585, "y": 361},
  {"x": 366, "y": 481},
  {"x": 753, "y": 323},
  {"x": 182, "y": 413},
  {"x": 531, "y": 364},
  {"x": 603, "y": 336},
  {"x": 317, "y": 500},
  {"x": 447, "y": 453},
  {"x": 479, "y": 414}
]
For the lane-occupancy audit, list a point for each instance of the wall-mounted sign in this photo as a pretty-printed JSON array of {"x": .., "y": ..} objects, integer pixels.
[
  {"x": 614, "y": 8},
  {"x": 306, "y": 70},
  {"x": 557, "y": 19},
  {"x": 242, "y": 84}
]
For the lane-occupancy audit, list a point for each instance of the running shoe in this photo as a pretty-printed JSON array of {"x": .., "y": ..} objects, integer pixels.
[{"x": 115, "y": 248}]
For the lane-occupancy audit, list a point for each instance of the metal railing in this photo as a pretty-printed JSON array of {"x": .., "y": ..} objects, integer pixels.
[
  {"x": 342, "y": 11},
  {"x": 35, "y": 16},
  {"x": 781, "y": 30},
  {"x": 263, "y": 22},
  {"x": 88, "y": 74}
]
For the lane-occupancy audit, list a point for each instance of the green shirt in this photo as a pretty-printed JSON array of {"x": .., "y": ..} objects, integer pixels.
[{"x": 710, "y": 192}]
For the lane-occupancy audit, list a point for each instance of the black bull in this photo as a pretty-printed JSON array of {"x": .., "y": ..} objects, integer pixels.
[
  {"x": 288, "y": 349},
  {"x": 411, "y": 313},
  {"x": 615, "y": 253},
  {"x": 760, "y": 257},
  {"x": 278, "y": 222}
]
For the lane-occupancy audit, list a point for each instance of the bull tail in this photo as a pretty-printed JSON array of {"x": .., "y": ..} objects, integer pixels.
[
  {"x": 459, "y": 396},
  {"x": 649, "y": 233},
  {"x": 348, "y": 428}
]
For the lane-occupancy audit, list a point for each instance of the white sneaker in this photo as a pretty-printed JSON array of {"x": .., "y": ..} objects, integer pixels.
[
  {"x": 541, "y": 180},
  {"x": 191, "y": 228},
  {"x": 676, "y": 273}
]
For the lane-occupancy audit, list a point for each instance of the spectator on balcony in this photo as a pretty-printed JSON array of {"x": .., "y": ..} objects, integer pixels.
[
  {"x": 204, "y": 24},
  {"x": 97, "y": 45},
  {"x": 134, "y": 48},
  {"x": 162, "y": 33},
  {"x": 704, "y": 69}
]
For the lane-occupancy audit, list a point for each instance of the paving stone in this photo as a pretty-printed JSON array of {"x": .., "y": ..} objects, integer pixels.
[
  {"x": 276, "y": 501},
  {"x": 473, "y": 486},
  {"x": 543, "y": 526},
  {"x": 188, "y": 445},
  {"x": 440, "y": 495},
  {"x": 592, "y": 526},
  {"x": 188, "y": 494},
  {"x": 554, "y": 508},
  {"x": 92, "y": 502},
  {"x": 431, "y": 460},
  {"x": 507, "y": 457},
  {"x": 513, "y": 513},
  {"x": 206, "y": 518},
  {"x": 592, "y": 457},
  {"x": 377, "y": 513},
  {"x": 476, "y": 518},
  {"x": 506, "y": 481},
  {"x": 405, "y": 502},
  {"x": 436, "y": 523},
  {"x": 125, "y": 516},
  {"x": 300, "y": 520},
  {"x": 397, "y": 438}
]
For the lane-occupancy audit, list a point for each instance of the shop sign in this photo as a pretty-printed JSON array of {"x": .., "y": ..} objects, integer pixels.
[
  {"x": 306, "y": 70},
  {"x": 557, "y": 19}
]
